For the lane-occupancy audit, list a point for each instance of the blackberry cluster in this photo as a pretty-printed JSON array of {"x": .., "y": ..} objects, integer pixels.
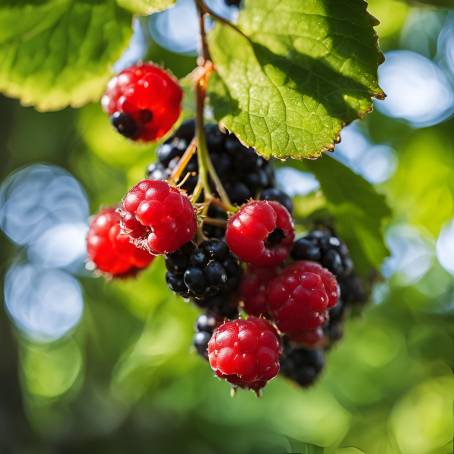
[
  {"x": 243, "y": 173},
  {"x": 296, "y": 293},
  {"x": 300, "y": 364},
  {"x": 208, "y": 274}
]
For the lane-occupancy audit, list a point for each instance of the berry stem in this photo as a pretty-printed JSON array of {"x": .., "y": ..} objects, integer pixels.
[
  {"x": 202, "y": 150},
  {"x": 183, "y": 162},
  {"x": 215, "y": 222},
  {"x": 206, "y": 167},
  {"x": 205, "y": 51}
]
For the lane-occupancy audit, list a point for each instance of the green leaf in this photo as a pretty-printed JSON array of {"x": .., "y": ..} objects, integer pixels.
[
  {"x": 145, "y": 7},
  {"x": 300, "y": 71},
  {"x": 59, "y": 53},
  {"x": 359, "y": 211}
]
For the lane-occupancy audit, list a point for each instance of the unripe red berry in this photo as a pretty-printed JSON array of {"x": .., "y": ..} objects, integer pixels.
[
  {"x": 158, "y": 216},
  {"x": 245, "y": 352},
  {"x": 298, "y": 299},
  {"x": 261, "y": 233},
  {"x": 144, "y": 102},
  {"x": 111, "y": 250}
]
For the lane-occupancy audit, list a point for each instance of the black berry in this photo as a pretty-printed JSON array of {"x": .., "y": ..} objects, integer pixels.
[
  {"x": 324, "y": 247},
  {"x": 301, "y": 365}
]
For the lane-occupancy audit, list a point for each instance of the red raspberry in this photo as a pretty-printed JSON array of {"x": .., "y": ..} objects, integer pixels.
[
  {"x": 158, "y": 216},
  {"x": 299, "y": 297},
  {"x": 261, "y": 233},
  {"x": 253, "y": 289},
  {"x": 110, "y": 250},
  {"x": 144, "y": 102},
  {"x": 245, "y": 352}
]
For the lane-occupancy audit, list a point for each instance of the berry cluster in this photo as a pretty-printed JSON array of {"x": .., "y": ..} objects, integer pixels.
[
  {"x": 244, "y": 174},
  {"x": 229, "y": 244}
]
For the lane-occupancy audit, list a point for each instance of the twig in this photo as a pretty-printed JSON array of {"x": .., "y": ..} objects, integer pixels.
[
  {"x": 207, "y": 10},
  {"x": 183, "y": 162}
]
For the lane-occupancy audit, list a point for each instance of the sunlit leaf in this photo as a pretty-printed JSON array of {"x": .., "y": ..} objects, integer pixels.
[
  {"x": 145, "y": 7},
  {"x": 297, "y": 74},
  {"x": 59, "y": 53}
]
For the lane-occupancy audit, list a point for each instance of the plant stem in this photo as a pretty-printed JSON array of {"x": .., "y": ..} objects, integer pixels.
[
  {"x": 215, "y": 222},
  {"x": 205, "y": 165},
  {"x": 183, "y": 162},
  {"x": 202, "y": 150},
  {"x": 205, "y": 51},
  {"x": 207, "y": 10}
]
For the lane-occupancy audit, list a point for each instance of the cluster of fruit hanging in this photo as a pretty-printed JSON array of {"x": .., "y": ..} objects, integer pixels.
[{"x": 210, "y": 205}]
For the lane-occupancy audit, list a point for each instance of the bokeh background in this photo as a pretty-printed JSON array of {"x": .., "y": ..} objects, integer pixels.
[{"x": 106, "y": 367}]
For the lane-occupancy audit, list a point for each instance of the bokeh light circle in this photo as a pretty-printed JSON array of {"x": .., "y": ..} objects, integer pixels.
[
  {"x": 45, "y": 304},
  {"x": 445, "y": 247},
  {"x": 411, "y": 254},
  {"x": 37, "y": 198},
  {"x": 417, "y": 90},
  {"x": 177, "y": 28}
]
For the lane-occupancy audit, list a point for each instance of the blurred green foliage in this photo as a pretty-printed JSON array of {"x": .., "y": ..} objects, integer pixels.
[{"x": 126, "y": 379}]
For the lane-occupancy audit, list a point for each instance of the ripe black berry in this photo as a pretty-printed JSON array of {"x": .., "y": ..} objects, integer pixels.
[
  {"x": 207, "y": 273},
  {"x": 200, "y": 342},
  {"x": 353, "y": 290},
  {"x": 324, "y": 247},
  {"x": 301, "y": 365},
  {"x": 334, "y": 328},
  {"x": 205, "y": 325},
  {"x": 278, "y": 196}
]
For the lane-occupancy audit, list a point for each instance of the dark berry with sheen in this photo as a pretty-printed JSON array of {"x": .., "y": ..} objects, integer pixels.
[
  {"x": 245, "y": 352},
  {"x": 354, "y": 290},
  {"x": 302, "y": 365},
  {"x": 111, "y": 250},
  {"x": 261, "y": 233},
  {"x": 158, "y": 216},
  {"x": 205, "y": 325},
  {"x": 143, "y": 101},
  {"x": 334, "y": 328},
  {"x": 324, "y": 247},
  {"x": 207, "y": 273},
  {"x": 277, "y": 195}
]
